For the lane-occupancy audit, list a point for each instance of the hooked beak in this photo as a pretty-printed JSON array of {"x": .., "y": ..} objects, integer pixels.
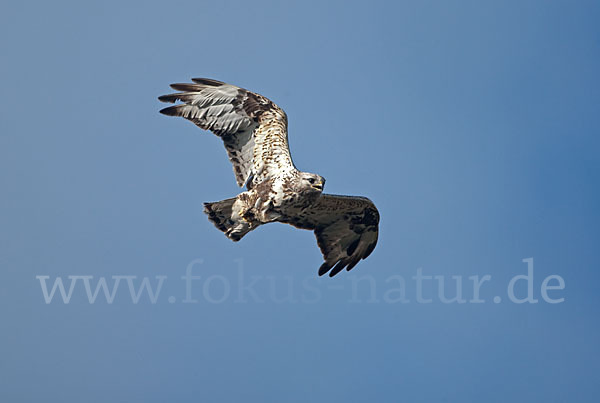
[{"x": 319, "y": 185}]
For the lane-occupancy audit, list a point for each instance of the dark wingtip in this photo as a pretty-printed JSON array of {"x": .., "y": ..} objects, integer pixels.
[
  {"x": 166, "y": 98},
  {"x": 324, "y": 268},
  {"x": 353, "y": 263},
  {"x": 169, "y": 111},
  {"x": 338, "y": 268},
  {"x": 370, "y": 249},
  {"x": 208, "y": 81},
  {"x": 352, "y": 247},
  {"x": 186, "y": 87}
]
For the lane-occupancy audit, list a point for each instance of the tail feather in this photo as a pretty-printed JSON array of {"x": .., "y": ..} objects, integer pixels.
[{"x": 224, "y": 215}]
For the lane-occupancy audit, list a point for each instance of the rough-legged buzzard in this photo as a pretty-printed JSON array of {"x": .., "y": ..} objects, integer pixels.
[{"x": 254, "y": 131}]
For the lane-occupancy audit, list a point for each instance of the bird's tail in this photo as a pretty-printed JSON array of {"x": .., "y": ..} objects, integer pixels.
[{"x": 225, "y": 215}]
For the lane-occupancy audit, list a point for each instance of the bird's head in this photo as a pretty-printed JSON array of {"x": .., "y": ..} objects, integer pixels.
[{"x": 312, "y": 182}]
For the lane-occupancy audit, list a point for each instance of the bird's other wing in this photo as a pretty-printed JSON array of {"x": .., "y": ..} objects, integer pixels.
[
  {"x": 253, "y": 128},
  {"x": 346, "y": 228}
]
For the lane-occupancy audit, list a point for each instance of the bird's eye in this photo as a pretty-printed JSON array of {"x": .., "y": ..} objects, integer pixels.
[{"x": 311, "y": 180}]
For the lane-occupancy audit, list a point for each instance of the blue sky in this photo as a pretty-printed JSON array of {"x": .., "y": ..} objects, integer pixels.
[{"x": 472, "y": 125}]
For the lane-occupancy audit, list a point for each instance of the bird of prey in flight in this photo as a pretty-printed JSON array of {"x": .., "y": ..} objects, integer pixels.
[{"x": 254, "y": 131}]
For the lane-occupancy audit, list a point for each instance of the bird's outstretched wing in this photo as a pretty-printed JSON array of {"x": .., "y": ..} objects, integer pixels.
[
  {"x": 346, "y": 228},
  {"x": 252, "y": 127}
]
